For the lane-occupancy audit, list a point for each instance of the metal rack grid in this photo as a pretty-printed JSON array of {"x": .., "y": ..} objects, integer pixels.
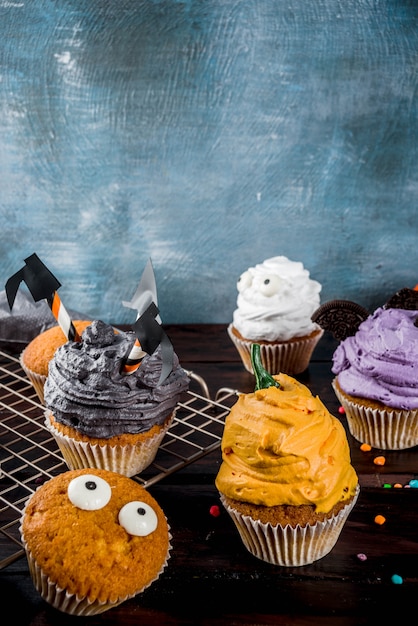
[{"x": 29, "y": 454}]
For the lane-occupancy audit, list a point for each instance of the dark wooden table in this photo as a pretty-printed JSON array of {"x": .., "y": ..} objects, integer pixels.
[{"x": 212, "y": 579}]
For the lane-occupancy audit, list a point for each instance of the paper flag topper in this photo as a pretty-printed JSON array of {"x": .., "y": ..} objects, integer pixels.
[
  {"x": 43, "y": 286},
  {"x": 151, "y": 334},
  {"x": 39, "y": 280},
  {"x": 147, "y": 327},
  {"x": 146, "y": 291}
]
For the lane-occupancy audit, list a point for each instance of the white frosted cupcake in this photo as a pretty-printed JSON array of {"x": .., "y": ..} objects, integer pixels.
[
  {"x": 93, "y": 539},
  {"x": 274, "y": 306},
  {"x": 102, "y": 417}
]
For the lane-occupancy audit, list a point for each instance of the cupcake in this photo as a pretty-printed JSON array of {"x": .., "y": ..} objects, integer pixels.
[
  {"x": 274, "y": 306},
  {"x": 103, "y": 417},
  {"x": 93, "y": 539},
  {"x": 36, "y": 355},
  {"x": 286, "y": 477},
  {"x": 376, "y": 370}
]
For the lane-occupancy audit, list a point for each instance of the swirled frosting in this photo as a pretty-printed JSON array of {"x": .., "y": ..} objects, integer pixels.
[
  {"x": 380, "y": 362},
  {"x": 275, "y": 301},
  {"x": 282, "y": 446},
  {"x": 86, "y": 390}
]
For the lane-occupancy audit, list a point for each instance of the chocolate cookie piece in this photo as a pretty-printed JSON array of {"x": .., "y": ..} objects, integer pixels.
[
  {"x": 403, "y": 299},
  {"x": 341, "y": 317}
]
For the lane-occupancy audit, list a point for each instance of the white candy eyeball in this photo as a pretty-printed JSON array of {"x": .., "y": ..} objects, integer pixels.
[
  {"x": 268, "y": 284},
  {"x": 244, "y": 281},
  {"x": 89, "y": 492},
  {"x": 138, "y": 518}
]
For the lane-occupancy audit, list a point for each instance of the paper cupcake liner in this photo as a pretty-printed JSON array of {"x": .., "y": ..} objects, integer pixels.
[
  {"x": 290, "y": 358},
  {"x": 129, "y": 459},
  {"x": 37, "y": 380},
  {"x": 71, "y": 603},
  {"x": 388, "y": 429},
  {"x": 286, "y": 545}
]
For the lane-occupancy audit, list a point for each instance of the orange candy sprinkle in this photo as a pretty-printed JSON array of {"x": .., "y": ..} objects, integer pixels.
[
  {"x": 379, "y": 460},
  {"x": 397, "y": 485},
  {"x": 379, "y": 519},
  {"x": 365, "y": 447}
]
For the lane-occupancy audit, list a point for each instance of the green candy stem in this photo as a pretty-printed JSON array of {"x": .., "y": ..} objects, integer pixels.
[{"x": 262, "y": 378}]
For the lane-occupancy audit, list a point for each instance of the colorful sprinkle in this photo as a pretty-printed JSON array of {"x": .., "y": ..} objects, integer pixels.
[
  {"x": 365, "y": 447},
  {"x": 387, "y": 486},
  {"x": 341, "y": 410},
  {"x": 380, "y": 519},
  {"x": 413, "y": 483},
  {"x": 379, "y": 460},
  {"x": 396, "y": 579},
  {"x": 397, "y": 485},
  {"x": 215, "y": 510},
  {"x": 361, "y": 556}
]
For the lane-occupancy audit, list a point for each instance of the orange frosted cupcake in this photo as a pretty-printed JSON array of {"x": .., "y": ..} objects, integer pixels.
[
  {"x": 99, "y": 415},
  {"x": 286, "y": 477},
  {"x": 275, "y": 302},
  {"x": 93, "y": 539},
  {"x": 35, "y": 358}
]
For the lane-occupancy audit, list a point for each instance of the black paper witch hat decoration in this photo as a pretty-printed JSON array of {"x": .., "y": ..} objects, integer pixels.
[{"x": 43, "y": 285}]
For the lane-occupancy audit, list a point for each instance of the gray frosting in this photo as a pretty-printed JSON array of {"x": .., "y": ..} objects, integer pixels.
[{"x": 86, "y": 389}]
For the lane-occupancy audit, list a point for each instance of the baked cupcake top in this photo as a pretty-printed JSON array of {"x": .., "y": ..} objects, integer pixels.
[
  {"x": 86, "y": 388},
  {"x": 275, "y": 301},
  {"x": 282, "y": 446},
  {"x": 41, "y": 349},
  {"x": 96, "y": 534},
  {"x": 380, "y": 361}
]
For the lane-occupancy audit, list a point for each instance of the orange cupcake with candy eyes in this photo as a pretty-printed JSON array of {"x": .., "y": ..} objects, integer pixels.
[{"x": 93, "y": 539}]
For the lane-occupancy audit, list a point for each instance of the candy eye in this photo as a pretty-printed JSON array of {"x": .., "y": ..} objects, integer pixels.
[
  {"x": 244, "y": 281},
  {"x": 267, "y": 284},
  {"x": 89, "y": 492},
  {"x": 138, "y": 518}
]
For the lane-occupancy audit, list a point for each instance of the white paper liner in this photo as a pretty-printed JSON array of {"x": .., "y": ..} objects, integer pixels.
[
  {"x": 287, "y": 358},
  {"x": 70, "y": 603},
  {"x": 37, "y": 380},
  {"x": 394, "y": 429},
  {"x": 129, "y": 459},
  {"x": 286, "y": 545}
]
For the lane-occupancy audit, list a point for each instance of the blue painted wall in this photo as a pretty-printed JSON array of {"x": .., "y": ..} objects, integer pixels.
[{"x": 208, "y": 136}]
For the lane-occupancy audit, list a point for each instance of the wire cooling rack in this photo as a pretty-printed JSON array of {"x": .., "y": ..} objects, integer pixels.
[{"x": 29, "y": 454}]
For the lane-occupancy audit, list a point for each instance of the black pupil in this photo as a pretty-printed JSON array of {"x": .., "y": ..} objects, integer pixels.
[
  {"x": 91, "y": 485},
  {"x": 266, "y": 282},
  {"x": 140, "y": 510}
]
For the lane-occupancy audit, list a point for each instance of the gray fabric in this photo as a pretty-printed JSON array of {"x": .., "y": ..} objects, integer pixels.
[{"x": 27, "y": 318}]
